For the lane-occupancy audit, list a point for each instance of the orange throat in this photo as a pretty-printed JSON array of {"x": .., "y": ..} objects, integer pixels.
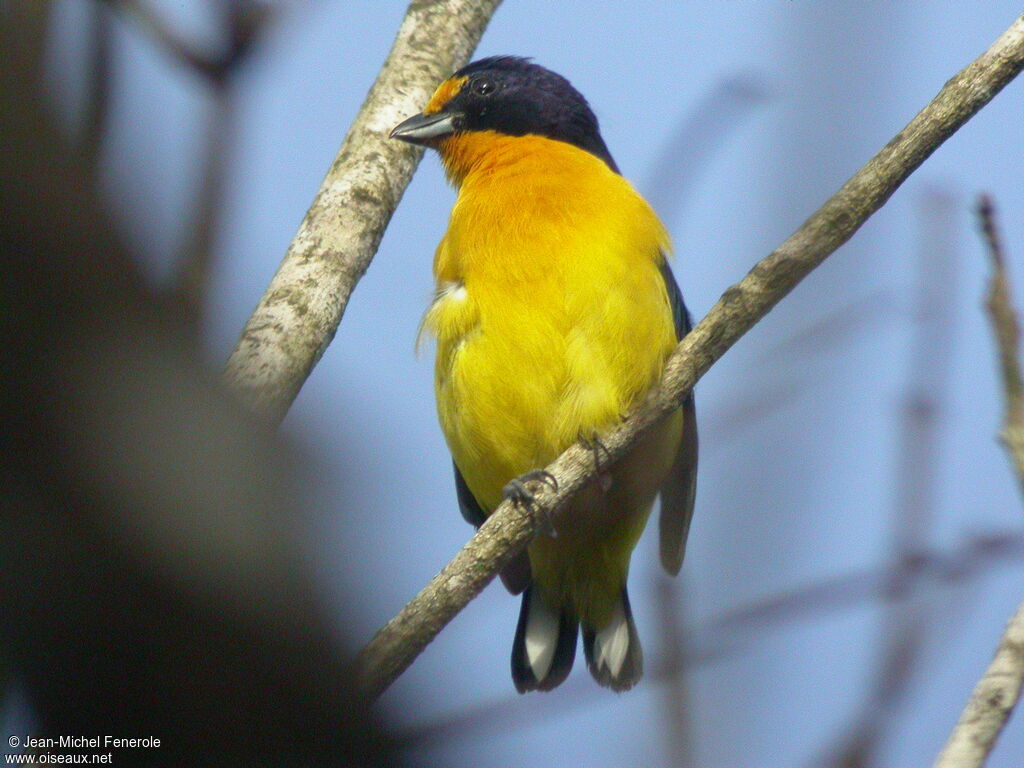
[{"x": 466, "y": 153}]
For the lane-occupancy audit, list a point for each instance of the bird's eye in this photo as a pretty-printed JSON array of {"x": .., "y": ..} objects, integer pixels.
[{"x": 483, "y": 87}]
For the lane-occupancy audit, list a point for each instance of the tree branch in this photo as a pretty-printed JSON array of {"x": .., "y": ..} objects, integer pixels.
[
  {"x": 990, "y": 704},
  {"x": 996, "y": 694},
  {"x": 299, "y": 314},
  {"x": 509, "y": 528},
  {"x": 1007, "y": 332}
]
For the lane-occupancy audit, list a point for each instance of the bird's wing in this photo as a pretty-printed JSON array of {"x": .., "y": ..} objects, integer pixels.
[
  {"x": 516, "y": 575},
  {"x": 680, "y": 487},
  {"x": 470, "y": 508}
]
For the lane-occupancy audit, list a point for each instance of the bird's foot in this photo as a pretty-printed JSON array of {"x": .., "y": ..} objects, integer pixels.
[
  {"x": 595, "y": 446},
  {"x": 518, "y": 492}
]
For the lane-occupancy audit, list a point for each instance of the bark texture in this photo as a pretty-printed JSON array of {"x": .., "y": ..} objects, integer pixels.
[{"x": 299, "y": 313}]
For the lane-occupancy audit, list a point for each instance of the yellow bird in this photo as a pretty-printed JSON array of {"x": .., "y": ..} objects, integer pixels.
[{"x": 554, "y": 313}]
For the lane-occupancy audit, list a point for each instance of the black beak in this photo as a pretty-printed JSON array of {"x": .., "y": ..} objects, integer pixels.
[{"x": 420, "y": 129}]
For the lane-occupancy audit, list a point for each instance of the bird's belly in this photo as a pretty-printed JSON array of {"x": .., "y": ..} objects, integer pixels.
[
  {"x": 519, "y": 385},
  {"x": 501, "y": 399}
]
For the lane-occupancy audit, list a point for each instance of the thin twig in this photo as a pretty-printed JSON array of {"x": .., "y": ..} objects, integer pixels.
[
  {"x": 996, "y": 694},
  {"x": 300, "y": 311},
  {"x": 1007, "y": 331},
  {"x": 510, "y": 528}
]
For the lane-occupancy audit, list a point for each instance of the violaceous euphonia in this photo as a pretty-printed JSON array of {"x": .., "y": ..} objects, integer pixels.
[{"x": 554, "y": 313}]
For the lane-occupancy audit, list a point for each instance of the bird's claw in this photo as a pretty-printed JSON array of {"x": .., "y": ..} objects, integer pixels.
[
  {"x": 595, "y": 446},
  {"x": 517, "y": 491}
]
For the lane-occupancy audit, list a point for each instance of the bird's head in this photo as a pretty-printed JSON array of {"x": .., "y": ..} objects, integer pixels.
[{"x": 510, "y": 96}]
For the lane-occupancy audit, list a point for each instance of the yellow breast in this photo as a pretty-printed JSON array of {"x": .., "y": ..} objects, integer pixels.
[{"x": 551, "y": 315}]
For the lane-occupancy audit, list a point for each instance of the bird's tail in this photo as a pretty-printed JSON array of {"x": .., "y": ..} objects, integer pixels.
[
  {"x": 613, "y": 652},
  {"x": 545, "y": 644}
]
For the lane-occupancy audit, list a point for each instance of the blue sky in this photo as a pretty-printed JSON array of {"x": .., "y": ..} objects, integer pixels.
[{"x": 801, "y": 422}]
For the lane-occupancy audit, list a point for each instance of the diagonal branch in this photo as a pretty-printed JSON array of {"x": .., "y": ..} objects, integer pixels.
[
  {"x": 299, "y": 314},
  {"x": 509, "y": 528},
  {"x": 996, "y": 694},
  {"x": 990, "y": 704}
]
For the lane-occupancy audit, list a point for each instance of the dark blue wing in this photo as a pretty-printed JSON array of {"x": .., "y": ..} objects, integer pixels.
[
  {"x": 516, "y": 575},
  {"x": 471, "y": 510},
  {"x": 680, "y": 315},
  {"x": 680, "y": 487}
]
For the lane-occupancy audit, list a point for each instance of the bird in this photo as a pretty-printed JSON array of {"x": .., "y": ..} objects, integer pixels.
[{"x": 554, "y": 312}]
